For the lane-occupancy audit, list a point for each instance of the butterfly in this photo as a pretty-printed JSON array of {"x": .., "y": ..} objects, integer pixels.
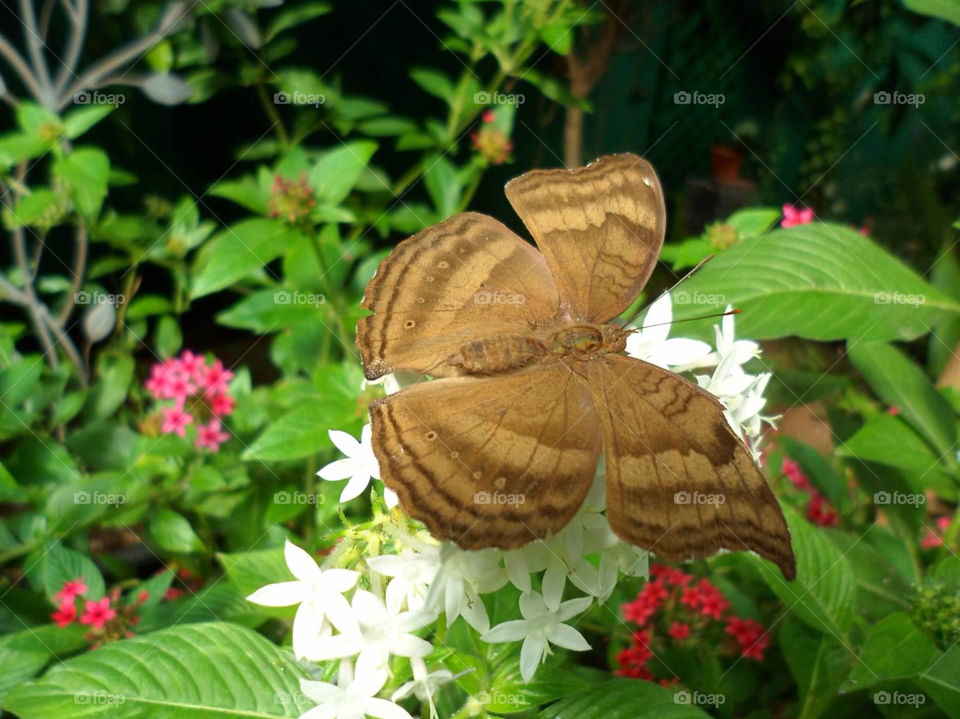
[{"x": 531, "y": 383}]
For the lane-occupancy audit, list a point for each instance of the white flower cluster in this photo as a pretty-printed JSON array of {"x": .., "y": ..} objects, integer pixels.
[{"x": 395, "y": 597}]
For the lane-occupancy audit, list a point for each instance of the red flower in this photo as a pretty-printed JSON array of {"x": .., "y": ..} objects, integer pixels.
[
  {"x": 71, "y": 588},
  {"x": 820, "y": 512},
  {"x": 796, "y": 216},
  {"x": 97, "y": 613},
  {"x": 65, "y": 613},
  {"x": 750, "y": 635},
  {"x": 712, "y": 602},
  {"x": 679, "y": 631}
]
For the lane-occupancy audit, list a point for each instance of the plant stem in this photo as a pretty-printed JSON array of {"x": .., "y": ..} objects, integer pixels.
[
  {"x": 79, "y": 267},
  {"x": 271, "y": 110},
  {"x": 31, "y": 35},
  {"x": 78, "y": 19},
  {"x": 22, "y": 69}
]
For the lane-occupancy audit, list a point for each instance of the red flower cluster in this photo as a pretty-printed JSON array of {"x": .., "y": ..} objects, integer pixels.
[
  {"x": 819, "y": 510},
  {"x": 701, "y": 607},
  {"x": 199, "y": 391},
  {"x": 106, "y": 617},
  {"x": 934, "y": 538}
]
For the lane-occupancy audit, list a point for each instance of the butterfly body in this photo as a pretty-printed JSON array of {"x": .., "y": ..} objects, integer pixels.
[{"x": 532, "y": 384}]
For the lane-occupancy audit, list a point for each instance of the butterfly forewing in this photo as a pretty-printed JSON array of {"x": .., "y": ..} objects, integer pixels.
[
  {"x": 464, "y": 279},
  {"x": 600, "y": 228},
  {"x": 490, "y": 462}
]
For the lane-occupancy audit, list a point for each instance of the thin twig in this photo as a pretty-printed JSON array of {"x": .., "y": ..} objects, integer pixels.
[
  {"x": 79, "y": 267},
  {"x": 33, "y": 302},
  {"x": 78, "y": 34},
  {"x": 45, "y": 13},
  {"x": 20, "y": 65},
  {"x": 34, "y": 46},
  {"x": 92, "y": 77}
]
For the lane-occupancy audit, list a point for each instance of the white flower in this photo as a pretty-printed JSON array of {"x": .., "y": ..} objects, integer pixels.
[
  {"x": 650, "y": 343},
  {"x": 539, "y": 628},
  {"x": 462, "y": 576},
  {"x": 412, "y": 573},
  {"x": 319, "y": 592},
  {"x": 729, "y": 346},
  {"x": 424, "y": 684},
  {"x": 381, "y": 634},
  {"x": 359, "y": 467},
  {"x": 350, "y": 698}
]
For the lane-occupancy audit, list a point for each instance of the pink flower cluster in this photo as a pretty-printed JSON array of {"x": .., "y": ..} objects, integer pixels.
[
  {"x": 793, "y": 216},
  {"x": 109, "y": 619},
  {"x": 934, "y": 538},
  {"x": 199, "y": 392},
  {"x": 819, "y": 510}
]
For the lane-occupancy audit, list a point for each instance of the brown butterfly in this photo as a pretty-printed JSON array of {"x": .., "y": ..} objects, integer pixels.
[{"x": 532, "y": 382}]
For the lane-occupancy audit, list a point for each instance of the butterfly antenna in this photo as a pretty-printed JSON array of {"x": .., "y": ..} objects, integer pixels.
[
  {"x": 674, "y": 286},
  {"x": 689, "y": 319}
]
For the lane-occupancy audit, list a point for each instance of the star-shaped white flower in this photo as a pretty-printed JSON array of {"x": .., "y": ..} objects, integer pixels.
[
  {"x": 381, "y": 634},
  {"x": 319, "y": 592},
  {"x": 360, "y": 465},
  {"x": 539, "y": 628},
  {"x": 411, "y": 573},
  {"x": 462, "y": 576},
  {"x": 350, "y": 698},
  {"x": 650, "y": 342},
  {"x": 424, "y": 684}
]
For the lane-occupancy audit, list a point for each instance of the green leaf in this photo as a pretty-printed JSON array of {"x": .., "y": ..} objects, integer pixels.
[
  {"x": 818, "y": 662},
  {"x": 20, "y": 146},
  {"x": 293, "y": 16},
  {"x": 889, "y": 440},
  {"x": 299, "y": 433},
  {"x": 509, "y": 693},
  {"x": 894, "y": 649},
  {"x": 114, "y": 375},
  {"x": 32, "y": 117},
  {"x": 248, "y": 571},
  {"x": 275, "y": 310},
  {"x": 434, "y": 82},
  {"x": 172, "y": 532},
  {"x": 942, "y": 681},
  {"x": 237, "y": 252},
  {"x": 245, "y": 192},
  {"x": 62, "y": 565},
  {"x": 440, "y": 179},
  {"x": 817, "y": 281},
  {"x": 83, "y": 118},
  {"x": 167, "y": 337},
  {"x": 337, "y": 171},
  {"x": 945, "y": 9},
  {"x": 24, "y": 654},
  {"x": 558, "y": 38},
  {"x": 822, "y": 594},
  {"x": 901, "y": 383},
  {"x": 86, "y": 171},
  {"x": 624, "y": 699},
  {"x": 194, "y": 671},
  {"x": 753, "y": 221},
  {"x": 33, "y": 207}
]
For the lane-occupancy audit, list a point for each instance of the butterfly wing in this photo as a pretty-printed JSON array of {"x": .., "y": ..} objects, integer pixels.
[
  {"x": 679, "y": 481},
  {"x": 463, "y": 279},
  {"x": 490, "y": 461},
  {"x": 599, "y": 227}
]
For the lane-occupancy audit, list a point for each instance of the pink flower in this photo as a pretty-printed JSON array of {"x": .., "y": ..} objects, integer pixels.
[
  {"x": 750, "y": 635},
  {"x": 795, "y": 216},
  {"x": 222, "y": 404},
  {"x": 210, "y": 436},
  {"x": 71, "y": 588},
  {"x": 215, "y": 378},
  {"x": 192, "y": 365},
  {"x": 97, "y": 613},
  {"x": 931, "y": 540},
  {"x": 176, "y": 420},
  {"x": 65, "y": 613}
]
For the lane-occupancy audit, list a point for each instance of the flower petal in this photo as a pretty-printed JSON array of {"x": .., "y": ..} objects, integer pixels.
[
  {"x": 344, "y": 441},
  {"x": 511, "y": 631},
  {"x": 531, "y": 654},
  {"x": 383, "y": 709},
  {"x": 281, "y": 594},
  {"x": 355, "y": 487},
  {"x": 567, "y": 637},
  {"x": 301, "y": 564},
  {"x": 338, "y": 470}
]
